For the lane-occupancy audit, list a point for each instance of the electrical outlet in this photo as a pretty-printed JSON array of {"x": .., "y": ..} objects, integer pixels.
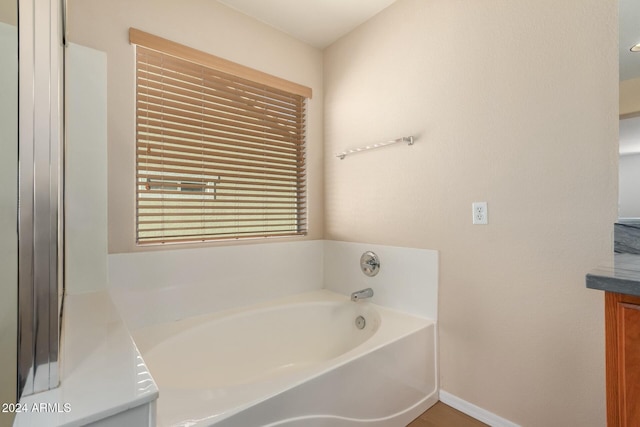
[{"x": 480, "y": 213}]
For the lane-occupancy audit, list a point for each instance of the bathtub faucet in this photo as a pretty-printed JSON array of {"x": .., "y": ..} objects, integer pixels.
[{"x": 365, "y": 293}]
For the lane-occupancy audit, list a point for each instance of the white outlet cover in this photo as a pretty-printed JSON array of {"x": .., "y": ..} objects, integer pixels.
[{"x": 480, "y": 213}]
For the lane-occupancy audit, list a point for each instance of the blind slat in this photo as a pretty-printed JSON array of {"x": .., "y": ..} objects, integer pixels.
[
  {"x": 215, "y": 175},
  {"x": 219, "y": 193},
  {"x": 158, "y": 180},
  {"x": 148, "y": 125},
  {"x": 273, "y": 218},
  {"x": 278, "y": 130},
  {"x": 179, "y": 207},
  {"x": 163, "y": 117},
  {"x": 221, "y": 236},
  {"x": 206, "y": 99},
  {"x": 216, "y": 214},
  {"x": 211, "y": 162},
  {"x": 162, "y": 71},
  {"x": 184, "y": 138},
  {"x": 264, "y": 156},
  {"x": 217, "y": 170},
  {"x": 213, "y": 97},
  {"x": 166, "y": 63}
]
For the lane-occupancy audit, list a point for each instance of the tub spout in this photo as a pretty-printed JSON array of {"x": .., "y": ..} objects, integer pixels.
[{"x": 364, "y": 293}]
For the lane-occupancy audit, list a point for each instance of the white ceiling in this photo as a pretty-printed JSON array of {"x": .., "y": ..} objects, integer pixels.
[{"x": 315, "y": 22}]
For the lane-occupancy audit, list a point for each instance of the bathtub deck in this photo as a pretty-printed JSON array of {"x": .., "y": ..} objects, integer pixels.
[{"x": 441, "y": 415}]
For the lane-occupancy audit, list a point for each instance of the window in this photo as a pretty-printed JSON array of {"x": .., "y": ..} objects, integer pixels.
[{"x": 220, "y": 148}]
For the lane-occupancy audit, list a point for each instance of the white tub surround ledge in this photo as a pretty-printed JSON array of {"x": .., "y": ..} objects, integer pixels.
[
  {"x": 104, "y": 379},
  {"x": 164, "y": 286}
]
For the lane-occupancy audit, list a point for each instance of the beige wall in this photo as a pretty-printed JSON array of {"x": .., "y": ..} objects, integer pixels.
[
  {"x": 9, "y": 12},
  {"x": 630, "y": 96},
  {"x": 513, "y": 103},
  {"x": 204, "y": 25}
]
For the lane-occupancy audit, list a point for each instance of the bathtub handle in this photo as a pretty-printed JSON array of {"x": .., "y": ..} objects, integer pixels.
[{"x": 370, "y": 263}]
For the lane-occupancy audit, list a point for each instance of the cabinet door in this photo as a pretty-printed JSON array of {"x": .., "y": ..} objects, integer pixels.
[
  {"x": 623, "y": 360},
  {"x": 629, "y": 362}
]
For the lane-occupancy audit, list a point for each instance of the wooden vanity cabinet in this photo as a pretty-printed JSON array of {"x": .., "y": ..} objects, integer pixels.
[{"x": 622, "y": 326}]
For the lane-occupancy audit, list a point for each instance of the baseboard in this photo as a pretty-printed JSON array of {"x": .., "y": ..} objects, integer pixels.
[{"x": 475, "y": 411}]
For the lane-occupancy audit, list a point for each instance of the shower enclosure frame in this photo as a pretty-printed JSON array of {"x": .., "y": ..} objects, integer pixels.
[{"x": 40, "y": 194}]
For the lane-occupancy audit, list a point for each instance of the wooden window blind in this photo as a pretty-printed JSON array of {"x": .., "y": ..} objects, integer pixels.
[{"x": 218, "y": 156}]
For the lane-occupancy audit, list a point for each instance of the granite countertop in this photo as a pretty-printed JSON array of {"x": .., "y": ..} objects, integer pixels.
[
  {"x": 623, "y": 276},
  {"x": 626, "y": 238}
]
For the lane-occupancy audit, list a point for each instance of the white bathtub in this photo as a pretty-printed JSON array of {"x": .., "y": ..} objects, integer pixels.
[{"x": 298, "y": 361}]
